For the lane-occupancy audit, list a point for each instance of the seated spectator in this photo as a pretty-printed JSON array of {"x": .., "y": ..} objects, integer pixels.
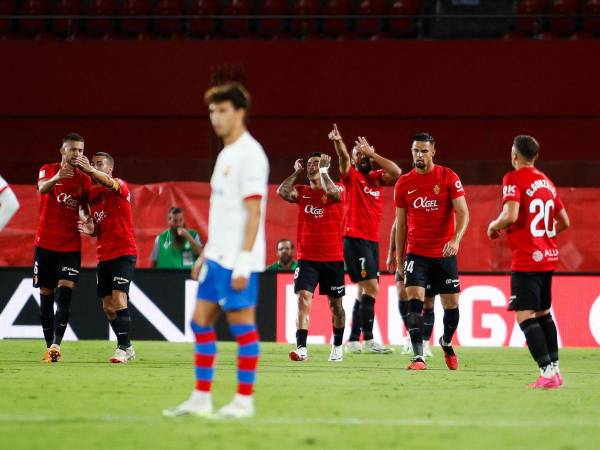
[
  {"x": 285, "y": 257},
  {"x": 177, "y": 247}
]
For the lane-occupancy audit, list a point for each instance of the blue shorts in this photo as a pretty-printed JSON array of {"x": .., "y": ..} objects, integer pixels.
[{"x": 215, "y": 287}]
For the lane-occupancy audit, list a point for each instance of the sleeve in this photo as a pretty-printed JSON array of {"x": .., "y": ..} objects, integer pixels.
[
  {"x": 342, "y": 190},
  {"x": 558, "y": 204},
  {"x": 377, "y": 175},
  {"x": 399, "y": 199},
  {"x": 254, "y": 176},
  {"x": 455, "y": 185},
  {"x": 121, "y": 188},
  {"x": 3, "y": 184},
  {"x": 510, "y": 188},
  {"x": 46, "y": 171},
  {"x": 197, "y": 237},
  {"x": 154, "y": 254},
  {"x": 347, "y": 179}
]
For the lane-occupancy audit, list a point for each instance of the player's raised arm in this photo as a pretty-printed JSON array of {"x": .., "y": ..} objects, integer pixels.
[
  {"x": 331, "y": 190},
  {"x": 461, "y": 210},
  {"x": 508, "y": 216},
  {"x": 66, "y": 171},
  {"x": 342, "y": 152},
  {"x": 391, "y": 256},
  {"x": 391, "y": 171},
  {"x": 101, "y": 177},
  {"x": 400, "y": 224},
  {"x": 286, "y": 190}
]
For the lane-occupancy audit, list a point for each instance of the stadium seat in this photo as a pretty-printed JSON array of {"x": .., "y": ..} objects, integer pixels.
[
  {"x": 271, "y": 27},
  {"x": 134, "y": 27},
  {"x": 100, "y": 27},
  {"x": 235, "y": 28},
  {"x": 566, "y": 25},
  {"x": 7, "y": 8},
  {"x": 34, "y": 27},
  {"x": 300, "y": 24},
  {"x": 528, "y": 26},
  {"x": 336, "y": 26},
  {"x": 403, "y": 27},
  {"x": 368, "y": 27},
  {"x": 66, "y": 27},
  {"x": 202, "y": 28},
  {"x": 167, "y": 27},
  {"x": 591, "y": 25}
]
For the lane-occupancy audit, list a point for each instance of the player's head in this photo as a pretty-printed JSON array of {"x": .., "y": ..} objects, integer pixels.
[
  {"x": 312, "y": 166},
  {"x": 228, "y": 106},
  {"x": 525, "y": 150},
  {"x": 103, "y": 162},
  {"x": 285, "y": 251},
  {"x": 175, "y": 218},
  {"x": 362, "y": 162},
  {"x": 423, "y": 150},
  {"x": 72, "y": 147}
]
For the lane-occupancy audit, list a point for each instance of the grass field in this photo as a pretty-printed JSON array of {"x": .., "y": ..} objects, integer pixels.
[{"x": 366, "y": 402}]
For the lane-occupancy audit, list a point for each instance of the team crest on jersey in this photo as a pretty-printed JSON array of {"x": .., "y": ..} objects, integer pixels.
[
  {"x": 436, "y": 189},
  {"x": 226, "y": 170},
  {"x": 324, "y": 199}
]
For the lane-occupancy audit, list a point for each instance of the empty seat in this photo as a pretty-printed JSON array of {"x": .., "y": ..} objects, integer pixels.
[
  {"x": 134, "y": 27},
  {"x": 34, "y": 27},
  {"x": 233, "y": 27},
  {"x": 591, "y": 24},
  {"x": 527, "y": 23},
  {"x": 99, "y": 27},
  {"x": 7, "y": 8},
  {"x": 301, "y": 25},
  {"x": 165, "y": 26},
  {"x": 276, "y": 25},
  {"x": 68, "y": 26},
  {"x": 202, "y": 27},
  {"x": 336, "y": 26},
  {"x": 567, "y": 24},
  {"x": 369, "y": 26},
  {"x": 403, "y": 26}
]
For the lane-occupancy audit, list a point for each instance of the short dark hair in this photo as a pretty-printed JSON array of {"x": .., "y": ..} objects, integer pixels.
[
  {"x": 527, "y": 146},
  {"x": 232, "y": 92},
  {"x": 313, "y": 155},
  {"x": 175, "y": 210},
  {"x": 423, "y": 137},
  {"x": 285, "y": 240},
  {"x": 73, "y": 137},
  {"x": 110, "y": 159}
]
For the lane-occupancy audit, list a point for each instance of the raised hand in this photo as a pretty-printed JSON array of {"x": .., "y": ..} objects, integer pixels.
[
  {"x": 66, "y": 171},
  {"x": 364, "y": 146},
  {"x": 335, "y": 134},
  {"x": 325, "y": 161},
  {"x": 84, "y": 164},
  {"x": 298, "y": 167}
]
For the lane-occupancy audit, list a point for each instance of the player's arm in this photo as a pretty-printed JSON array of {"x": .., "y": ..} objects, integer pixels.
[
  {"x": 391, "y": 171},
  {"x": 241, "y": 268},
  {"x": 344, "y": 160},
  {"x": 508, "y": 216},
  {"x": 331, "y": 190},
  {"x": 391, "y": 256},
  {"x": 196, "y": 245},
  {"x": 104, "y": 179},
  {"x": 66, "y": 171},
  {"x": 8, "y": 205},
  {"x": 561, "y": 221},
  {"x": 461, "y": 212},
  {"x": 286, "y": 190},
  {"x": 400, "y": 237}
]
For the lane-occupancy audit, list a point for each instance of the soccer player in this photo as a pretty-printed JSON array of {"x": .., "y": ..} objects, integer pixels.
[
  {"x": 233, "y": 256},
  {"x": 8, "y": 203},
  {"x": 110, "y": 220},
  {"x": 320, "y": 253},
  {"x": 427, "y": 200},
  {"x": 533, "y": 215},
  {"x": 63, "y": 189},
  {"x": 363, "y": 184}
]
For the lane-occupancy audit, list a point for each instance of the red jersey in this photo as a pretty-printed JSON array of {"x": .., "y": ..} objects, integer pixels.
[
  {"x": 532, "y": 238},
  {"x": 59, "y": 210},
  {"x": 365, "y": 205},
  {"x": 111, "y": 211},
  {"x": 319, "y": 225},
  {"x": 427, "y": 199}
]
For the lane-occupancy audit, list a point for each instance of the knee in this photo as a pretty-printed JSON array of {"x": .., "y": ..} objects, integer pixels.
[
  {"x": 370, "y": 287},
  {"x": 450, "y": 301},
  {"x": 109, "y": 309},
  {"x": 304, "y": 303}
]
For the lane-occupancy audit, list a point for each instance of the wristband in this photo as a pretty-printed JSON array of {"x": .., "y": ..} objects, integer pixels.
[
  {"x": 241, "y": 267},
  {"x": 323, "y": 169}
]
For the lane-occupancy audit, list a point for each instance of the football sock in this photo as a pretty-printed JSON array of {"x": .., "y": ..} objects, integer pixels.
[
  {"x": 428, "y": 320},
  {"x": 367, "y": 312},
  {"x": 536, "y": 341},
  {"x": 248, "y": 353},
  {"x": 549, "y": 328},
  {"x": 451, "y": 318},
  {"x": 47, "y": 317},
  {"x": 356, "y": 322},
  {"x": 205, "y": 352},
  {"x": 403, "y": 307},
  {"x": 414, "y": 323},
  {"x": 338, "y": 336},
  {"x": 121, "y": 326},
  {"x": 63, "y": 311},
  {"x": 301, "y": 336}
]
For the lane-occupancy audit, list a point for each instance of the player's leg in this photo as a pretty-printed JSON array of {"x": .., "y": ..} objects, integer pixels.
[
  {"x": 444, "y": 276},
  {"x": 353, "y": 345},
  {"x": 417, "y": 273},
  {"x": 306, "y": 278},
  {"x": 546, "y": 321},
  {"x": 428, "y": 321},
  {"x": 332, "y": 284},
  {"x": 403, "y": 309},
  {"x": 44, "y": 278},
  {"x": 338, "y": 321}
]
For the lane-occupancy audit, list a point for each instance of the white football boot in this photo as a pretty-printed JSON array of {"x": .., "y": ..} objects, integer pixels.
[
  {"x": 353, "y": 347},
  {"x": 299, "y": 354},
  {"x": 337, "y": 353},
  {"x": 427, "y": 353},
  {"x": 199, "y": 404},
  {"x": 375, "y": 347},
  {"x": 241, "y": 406},
  {"x": 407, "y": 347},
  {"x": 123, "y": 356}
]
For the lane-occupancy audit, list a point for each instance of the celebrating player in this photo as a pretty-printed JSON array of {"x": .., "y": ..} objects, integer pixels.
[
  {"x": 427, "y": 199},
  {"x": 110, "y": 220},
  {"x": 8, "y": 203},
  {"x": 320, "y": 254},
  {"x": 363, "y": 185},
  {"x": 233, "y": 256},
  {"x": 533, "y": 215},
  {"x": 63, "y": 189}
]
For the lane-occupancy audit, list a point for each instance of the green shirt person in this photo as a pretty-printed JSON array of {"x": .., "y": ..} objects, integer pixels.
[
  {"x": 285, "y": 257},
  {"x": 177, "y": 247}
]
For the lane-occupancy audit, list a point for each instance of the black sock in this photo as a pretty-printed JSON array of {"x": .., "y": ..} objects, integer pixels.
[
  {"x": 47, "y": 317},
  {"x": 414, "y": 323},
  {"x": 428, "y": 321},
  {"x": 536, "y": 341},
  {"x": 121, "y": 327},
  {"x": 403, "y": 307},
  {"x": 549, "y": 328},
  {"x": 301, "y": 336},
  {"x": 338, "y": 336},
  {"x": 451, "y": 318},
  {"x": 367, "y": 312},
  {"x": 356, "y": 322},
  {"x": 63, "y": 311}
]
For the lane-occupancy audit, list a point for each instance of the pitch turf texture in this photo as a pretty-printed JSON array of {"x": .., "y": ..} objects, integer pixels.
[{"x": 365, "y": 402}]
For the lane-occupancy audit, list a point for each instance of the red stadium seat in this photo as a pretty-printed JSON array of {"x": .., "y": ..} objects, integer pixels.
[
  {"x": 236, "y": 28},
  {"x": 528, "y": 26},
  {"x": 367, "y": 26},
  {"x": 34, "y": 27},
  {"x": 168, "y": 27},
  {"x": 275, "y": 26},
  {"x": 100, "y": 27},
  {"x": 564, "y": 26},
  {"x": 591, "y": 25},
  {"x": 66, "y": 27},
  {"x": 202, "y": 28},
  {"x": 334, "y": 26},
  {"x": 300, "y": 24},
  {"x": 134, "y": 27},
  {"x": 404, "y": 27},
  {"x": 7, "y": 8}
]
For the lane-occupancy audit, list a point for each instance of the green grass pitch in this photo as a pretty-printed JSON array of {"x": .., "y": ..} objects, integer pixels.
[{"x": 365, "y": 402}]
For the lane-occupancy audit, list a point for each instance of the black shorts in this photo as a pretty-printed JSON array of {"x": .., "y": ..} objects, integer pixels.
[
  {"x": 50, "y": 266},
  {"x": 115, "y": 275},
  {"x": 362, "y": 259},
  {"x": 430, "y": 291},
  {"x": 329, "y": 275},
  {"x": 440, "y": 274},
  {"x": 530, "y": 291}
]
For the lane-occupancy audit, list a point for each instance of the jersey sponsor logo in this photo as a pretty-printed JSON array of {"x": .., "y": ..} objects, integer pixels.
[
  {"x": 99, "y": 216},
  {"x": 67, "y": 200},
  {"x": 551, "y": 253},
  {"x": 314, "y": 210},
  {"x": 424, "y": 202},
  {"x": 540, "y": 184},
  {"x": 537, "y": 256},
  {"x": 458, "y": 185},
  {"x": 509, "y": 189},
  {"x": 371, "y": 192}
]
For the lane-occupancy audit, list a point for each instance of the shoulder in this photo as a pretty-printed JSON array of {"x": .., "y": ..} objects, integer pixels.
[{"x": 510, "y": 177}]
